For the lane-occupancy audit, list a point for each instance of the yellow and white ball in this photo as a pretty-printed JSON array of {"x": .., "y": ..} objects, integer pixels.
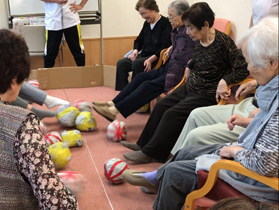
[
  {"x": 73, "y": 137},
  {"x": 60, "y": 154},
  {"x": 85, "y": 121},
  {"x": 68, "y": 116}
]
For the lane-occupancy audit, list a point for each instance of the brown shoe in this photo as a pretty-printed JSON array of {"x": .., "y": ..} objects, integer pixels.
[
  {"x": 137, "y": 156},
  {"x": 131, "y": 146},
  {"x": 105, "y": 112},
  {"x": 135, "y": 178},
  {"x": 100, "y": 103}
]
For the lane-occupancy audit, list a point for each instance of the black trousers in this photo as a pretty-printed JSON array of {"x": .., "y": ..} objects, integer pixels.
[
  {"x": 141, "y": 90},
  {"x": 167, "y": 120},
  {"x": 73, "y": 38},
  {"x": 124, "y": 66}
]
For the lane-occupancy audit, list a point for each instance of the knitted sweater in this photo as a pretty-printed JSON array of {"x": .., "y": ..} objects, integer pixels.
[{"x": 153, "y": 41}]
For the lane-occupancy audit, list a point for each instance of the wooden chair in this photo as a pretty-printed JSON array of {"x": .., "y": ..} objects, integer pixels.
[{"x": 197, "y": 197}]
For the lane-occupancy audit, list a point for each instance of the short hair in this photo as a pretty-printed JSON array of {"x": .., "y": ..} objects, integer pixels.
[
  {"x": 180, "y": 6},
  {"x": 14, "y": 59},
  {"x": 147, "y": 4},
  {"x": 262, "y": 42},
  {"x": 198, "y": 13}
]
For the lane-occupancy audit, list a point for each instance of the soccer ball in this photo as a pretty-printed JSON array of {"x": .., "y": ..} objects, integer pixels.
[
  {"x": 117, "y": 131},
  {"x": 72, "y": 180},
  {"x": 73, "y": 137},
  {"x": 82, "y": 105},
  {"x": 114, "y": 169},
  {"x": 85, "y": 121},
  {"x": 52, "y": 137},
  {"x": 60, "y": 154},
  {"x": 34, "y": 83},
  {"x": 68, "y": 116},
  {"x": 43, "y": 128}
]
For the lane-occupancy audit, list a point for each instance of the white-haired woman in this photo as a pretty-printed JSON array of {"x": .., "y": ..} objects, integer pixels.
[{"x": 257, "y": 147}]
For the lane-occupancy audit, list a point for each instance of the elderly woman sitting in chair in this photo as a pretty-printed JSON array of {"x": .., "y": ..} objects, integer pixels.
[{"x": 257, "y": 147}]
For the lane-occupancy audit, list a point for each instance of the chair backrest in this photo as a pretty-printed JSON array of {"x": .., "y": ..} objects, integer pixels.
[
  {"x": 34, "y": 36},
  {"x": 222, "y": 25}
]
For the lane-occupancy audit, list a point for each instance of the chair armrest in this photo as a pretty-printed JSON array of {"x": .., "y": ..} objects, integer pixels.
[
  {"x": 224, "y": 101},
  {"x": 162, "y": 59},
  {"x": 231, "y": 166}
]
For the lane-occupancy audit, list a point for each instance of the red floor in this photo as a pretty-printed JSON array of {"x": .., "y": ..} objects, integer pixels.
[{"x": 89, "y": 160}]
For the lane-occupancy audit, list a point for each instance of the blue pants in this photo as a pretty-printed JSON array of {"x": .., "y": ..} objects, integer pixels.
[{"x": 141, "y": 90}]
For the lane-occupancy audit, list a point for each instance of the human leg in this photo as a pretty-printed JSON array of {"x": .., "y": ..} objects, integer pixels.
[
  {"x": 74, "y": 41},
  {"x": 171, "y": 124},
  {"x": 143, "y": 94},
  {"x": 155, "y": 117},
  {"x": 178, "y": 177},
  {"x": 138, "y": 65},
  {"x": 123, "y": 67},
  {"x": 53, "y": 40},
  {"x": 193, "y": 133},
  {"x": 39, "y": 96},
  {"x": 39, "y": 112}
]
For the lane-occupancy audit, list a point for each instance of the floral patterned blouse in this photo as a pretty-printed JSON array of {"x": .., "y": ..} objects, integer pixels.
[{"x": 34, "y": 162}]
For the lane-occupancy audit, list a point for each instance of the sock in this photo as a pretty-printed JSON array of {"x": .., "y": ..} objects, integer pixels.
[
  {"x": 53, "y": 101},
  {"x": 43, "y": 113},
  {"x": 152, "y": 177}
]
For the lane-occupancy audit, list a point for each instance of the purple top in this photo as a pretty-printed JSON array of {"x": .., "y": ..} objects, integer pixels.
[{"x": 182, "y": 52}]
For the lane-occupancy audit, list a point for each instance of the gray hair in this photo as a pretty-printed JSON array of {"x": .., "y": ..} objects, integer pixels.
[
  {"x": 180, "y": 6},
  {"x": 262, "y": 42}
]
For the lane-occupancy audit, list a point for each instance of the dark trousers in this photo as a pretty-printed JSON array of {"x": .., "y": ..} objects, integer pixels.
[
  {"x": 167, "y": 120},
  {"x": 124, "y": 66},
  {"x": 73, "y": 38},
  {"x": 141, "y": 90}
]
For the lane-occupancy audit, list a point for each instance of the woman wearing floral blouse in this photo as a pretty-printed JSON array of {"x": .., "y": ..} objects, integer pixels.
[{"x": 27, "y": 176}]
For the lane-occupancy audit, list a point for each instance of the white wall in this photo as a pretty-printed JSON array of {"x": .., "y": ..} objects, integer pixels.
[{"x": 121, "y": 19}]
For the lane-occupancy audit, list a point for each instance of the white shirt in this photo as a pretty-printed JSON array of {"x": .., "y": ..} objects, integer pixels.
[
  {"x": 59, "y": 16},
  {"x": 263, "y": 8}
]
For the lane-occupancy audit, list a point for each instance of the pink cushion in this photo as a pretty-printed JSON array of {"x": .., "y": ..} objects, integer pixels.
[{"x": 220, "y": 24}]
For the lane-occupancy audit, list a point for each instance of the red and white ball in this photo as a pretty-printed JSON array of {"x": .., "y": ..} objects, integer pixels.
[
  {"x": 82, "y": 105},
  {"x": 43, "y": 128},
  {"x": 52, "y": 138},
  {"x": 113, "y": 170},
  {"x": 117, "y": 131},
  {"x": 73, "y": 180},
  {"x": 34, "y": 83}
]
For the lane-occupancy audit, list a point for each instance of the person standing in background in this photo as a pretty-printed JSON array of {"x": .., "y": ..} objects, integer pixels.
[
  {"x": 61, "y": 17},
  {"x": 263, "y": 8}
]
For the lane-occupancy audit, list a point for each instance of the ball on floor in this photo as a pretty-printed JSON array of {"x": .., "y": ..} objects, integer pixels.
[
  {"x": 34, "y": 83},
  {"x": 52, "y": 138},
  {"x": 82, "y": 105},
  {"x": 85, "y": 121},
  {"x": 73, "y": 180},
  {"x": 43, "y": 128},
  {"x": 68, "y": 116},
  {"x": 60, "y": 154},
  {"x": 73, "y": 137},
  {"x": 113, "y": 170},
  {"x": 117, "y": 131}
]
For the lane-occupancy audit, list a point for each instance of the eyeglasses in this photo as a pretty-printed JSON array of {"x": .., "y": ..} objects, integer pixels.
[{"x": 172, "y": 17}]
